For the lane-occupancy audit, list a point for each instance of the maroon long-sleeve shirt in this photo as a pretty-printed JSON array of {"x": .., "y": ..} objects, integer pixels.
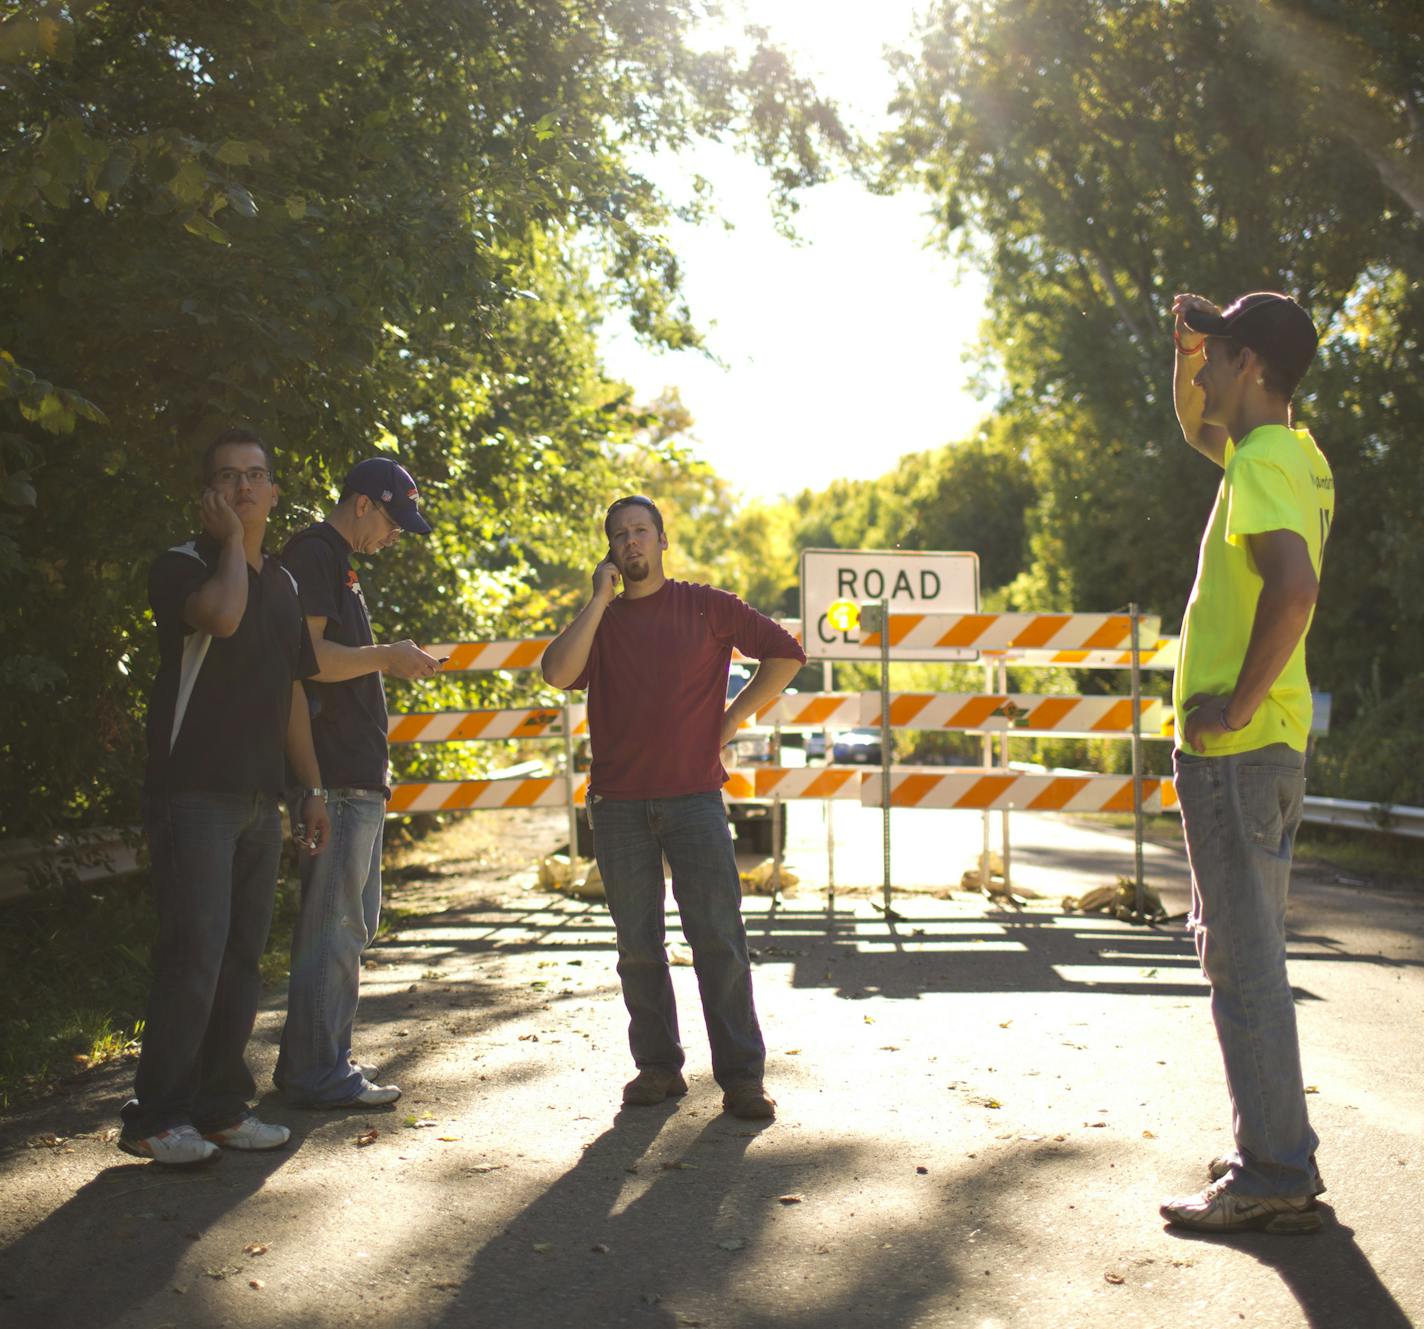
[{"x": 657, "y": 687}]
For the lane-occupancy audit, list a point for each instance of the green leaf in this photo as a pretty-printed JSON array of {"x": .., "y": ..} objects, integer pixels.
[
  {"x": 116, "y": 172},
  {"x": 189, "y": 182},
  {"x": 296, "y": 207},
  {"x": 235, "y": 152},
  {"x": 196, "y": 224},
  {"x": 19, "y": 491},
  {"x": 242, "y": 201}
]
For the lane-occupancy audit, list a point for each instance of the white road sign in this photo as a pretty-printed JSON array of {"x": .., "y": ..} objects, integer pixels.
[{"x": 932, "y": 583}]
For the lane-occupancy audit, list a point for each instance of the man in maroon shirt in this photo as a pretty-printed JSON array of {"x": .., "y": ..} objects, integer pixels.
[{"x": 654, "y": 660}]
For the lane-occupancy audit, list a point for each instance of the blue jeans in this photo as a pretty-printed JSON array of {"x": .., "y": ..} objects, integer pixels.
[
  {"x": 341, "y": 909},
  {"x": 630, "y": 837},
  {"x": 214, "y": 871},
  {"x": 1240, "y": 814}
]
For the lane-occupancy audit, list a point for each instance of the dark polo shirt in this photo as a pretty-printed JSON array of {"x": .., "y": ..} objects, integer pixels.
[
  {"x": 348, "y": 718},
  {"x": 218, "y": 711}
]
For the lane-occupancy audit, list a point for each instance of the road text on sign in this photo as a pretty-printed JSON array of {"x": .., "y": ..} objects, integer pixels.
[{"x": 929, "y": 583}]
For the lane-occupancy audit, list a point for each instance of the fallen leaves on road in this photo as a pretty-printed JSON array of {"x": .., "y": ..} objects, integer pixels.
[
  {"x": 1111, "y": 1277},
  {"x": 986, "y": 1102},
  {"x": 1094, "y": 1125},
  {"x": 446, "y": 1285},
  {"x": 449, "y": 1139},
  {"x": 256, "y": 1284},
  {"x": 256, "y": 1248},
  {"x": 415, "y": 1123},
  {"x": 1148, "y": 1135},
  {"x": 368, "y": 1136},
  {"x": 922, "y": 1171},
  {"x": 543, "y": 1247},
  {"x": 679, "y": 1166},
  {"x": 732, "y": 1243},
  {"x": 790, "y": 1199},
  {"x": 599, "y": 1249},
  {"x": 1312, "y": 1089},
  {"x": 488, "y": 1167}
]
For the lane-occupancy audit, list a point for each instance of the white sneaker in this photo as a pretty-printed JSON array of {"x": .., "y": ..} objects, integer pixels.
[
  {"x": 178, "y": 1146},
  {"x": 249, "y": 1133},
  {"x": 367, "y": 1072},
  {"x": 370, "y": 1095}
]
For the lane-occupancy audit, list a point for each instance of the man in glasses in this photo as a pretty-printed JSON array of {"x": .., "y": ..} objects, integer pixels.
[
  {"x": 654, "y": 660},
  {"x": 341, "y": 890},
  {"x": 1243, "y": 712},
  {"x": 226, "y": 707}
]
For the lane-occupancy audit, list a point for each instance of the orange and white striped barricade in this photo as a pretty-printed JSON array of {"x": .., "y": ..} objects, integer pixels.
[
  {"x": 463, "y": 656},
  {"x": 987, "y": 787},
  {"x": 1160, "y": 653},
  {"x": 811, "y": 710},
  {"x": 542, "y": 791},
  {"x": 818, "y": 782},
  {"x": 1002, "y": 632},
  {"x": 1016, "y": 713},
  {"x": 466, "y": 726}
]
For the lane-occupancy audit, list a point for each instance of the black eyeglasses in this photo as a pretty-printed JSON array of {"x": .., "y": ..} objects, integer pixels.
[{"x": 228, "y": 475}]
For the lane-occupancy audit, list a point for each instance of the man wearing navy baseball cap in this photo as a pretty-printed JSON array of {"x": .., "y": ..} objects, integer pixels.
[
  {"x": 1243, "y": 709},
  {"x": 341, "y": 903}
]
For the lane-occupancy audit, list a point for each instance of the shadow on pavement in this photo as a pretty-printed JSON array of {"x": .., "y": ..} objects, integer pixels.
[{"x": 1327, "y": 1273}]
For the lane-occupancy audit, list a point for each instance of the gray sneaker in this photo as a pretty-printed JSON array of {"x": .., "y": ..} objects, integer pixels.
[
  {"x": 1223, "y": 1163},
  {"x": 1217, "y": 1209},
  {"x": 179, "y": 1146}
]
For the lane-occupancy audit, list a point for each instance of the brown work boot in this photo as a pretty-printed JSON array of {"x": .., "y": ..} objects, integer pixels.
[
  {"x": 749, "y": 1100},
  {"x": 652, "y": 1085}
]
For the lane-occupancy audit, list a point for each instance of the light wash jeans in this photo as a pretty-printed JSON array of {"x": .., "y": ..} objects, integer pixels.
[
  {"x": 214, "y": 872},
  {"x": 630, "y": 837},
  {"x": 341, "y": 910},
  {"x": 1240, "y": 814}
]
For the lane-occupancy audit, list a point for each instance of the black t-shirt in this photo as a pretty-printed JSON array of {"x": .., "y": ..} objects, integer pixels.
[
  {"x": 348, "y": 718},
  {"x": 218, "y": 712}
]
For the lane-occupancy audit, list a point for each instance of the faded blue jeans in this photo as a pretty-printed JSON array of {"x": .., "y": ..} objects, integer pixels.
[
  {"x": 1240, "y": 814},
  {"x": 630, "y": 837},
  {"x": 214, "y": 872},
  {"x": 341, "y": 910}
]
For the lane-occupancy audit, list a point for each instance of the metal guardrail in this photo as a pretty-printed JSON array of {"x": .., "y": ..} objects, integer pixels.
[{"x": 1388, "y": 817}]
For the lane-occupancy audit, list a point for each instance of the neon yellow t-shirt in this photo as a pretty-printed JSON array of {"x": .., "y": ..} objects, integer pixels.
[{"x": 1275, "y": 479}]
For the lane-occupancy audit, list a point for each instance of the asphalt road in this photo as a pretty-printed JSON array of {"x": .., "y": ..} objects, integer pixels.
[{"x": 980, "y": 1110}]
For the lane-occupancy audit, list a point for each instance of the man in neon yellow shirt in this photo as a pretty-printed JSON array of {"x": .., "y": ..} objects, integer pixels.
[{"x": 1242, "y": 707}]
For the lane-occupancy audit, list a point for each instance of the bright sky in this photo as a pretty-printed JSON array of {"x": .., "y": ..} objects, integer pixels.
[{"x": 842, "y": 353}]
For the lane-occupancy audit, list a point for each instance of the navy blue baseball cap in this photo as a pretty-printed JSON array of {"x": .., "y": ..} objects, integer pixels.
[
  {"x": 390, "y": 485},
  {"x": 1271, "y": 324}
]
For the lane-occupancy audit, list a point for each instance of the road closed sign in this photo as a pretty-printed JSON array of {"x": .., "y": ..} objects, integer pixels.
[{"x": 922, "y": 583}]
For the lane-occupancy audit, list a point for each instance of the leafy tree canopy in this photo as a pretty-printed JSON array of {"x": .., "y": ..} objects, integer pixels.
[{"x": 358, "y": 225}]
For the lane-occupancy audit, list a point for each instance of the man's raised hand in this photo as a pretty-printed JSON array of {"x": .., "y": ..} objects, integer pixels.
[
  {"x": 405, "y": 659},
  {"x": 605, "y": 581},
  {"x": 1184, "y": 302},
  {"x": 218, "y": 518}
]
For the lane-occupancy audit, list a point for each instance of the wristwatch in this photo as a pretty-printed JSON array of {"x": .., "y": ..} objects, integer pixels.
[{"x": 314, "y": 793}]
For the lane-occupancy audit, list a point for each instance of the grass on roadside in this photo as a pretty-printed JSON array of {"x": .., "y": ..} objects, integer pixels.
[{"x": 76, "y": 966}]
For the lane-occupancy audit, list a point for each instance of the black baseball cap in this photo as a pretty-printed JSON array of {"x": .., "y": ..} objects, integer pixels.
[
  {"x": 390, "y": 485},
  {"x": 1271, "y": 324}
]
